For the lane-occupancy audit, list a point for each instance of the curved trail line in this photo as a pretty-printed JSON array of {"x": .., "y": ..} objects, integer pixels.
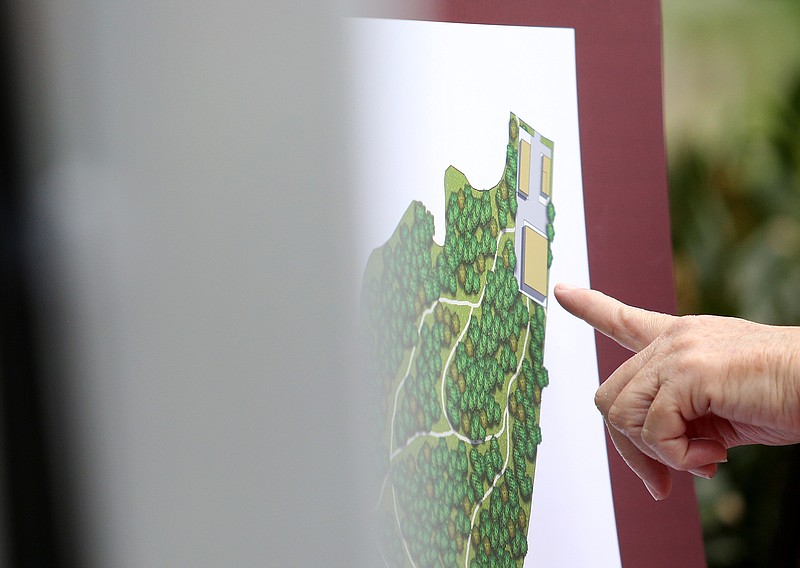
[
  {"x": 444, "y": 300},
  {"x": 426, "y": 313},
  {"x": 418, "y": 435},
  {"x": 394, "y": 452},
  {"x": 508, "y": 448},
  {"x": 461, "y": 336}
]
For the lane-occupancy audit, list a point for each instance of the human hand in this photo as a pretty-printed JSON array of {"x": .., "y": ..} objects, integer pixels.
[{"x": 696, "y": 386}]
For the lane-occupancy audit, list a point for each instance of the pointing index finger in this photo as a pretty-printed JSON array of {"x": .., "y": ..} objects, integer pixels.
[{"x": 631, "y": 327}]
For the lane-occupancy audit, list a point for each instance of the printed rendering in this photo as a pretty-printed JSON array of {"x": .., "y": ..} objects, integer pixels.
[{"x": 455, "y": 336}]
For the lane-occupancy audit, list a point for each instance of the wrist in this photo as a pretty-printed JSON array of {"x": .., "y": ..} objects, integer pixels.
[{"x": 785, "y": 369}]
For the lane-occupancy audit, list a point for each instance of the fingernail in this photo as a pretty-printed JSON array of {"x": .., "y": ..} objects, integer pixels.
[
  {"x": 653, "y": 493},
  {"x": 701, "y": 473},
  {"x": 565, "y": 287}
]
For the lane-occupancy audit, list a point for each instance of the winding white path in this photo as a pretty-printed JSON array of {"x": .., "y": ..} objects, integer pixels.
[
  {"x": 395, "y": 452},
  {"x": 508, "y": 449}
]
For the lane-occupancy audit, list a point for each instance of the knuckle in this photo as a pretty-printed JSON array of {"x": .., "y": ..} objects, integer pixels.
[
  {"x": 694, "y": 325},
  {"x": 602, "y": 401},
  {"x": 624, "y": 321},
  {"x": 679, "y": 331},
  {"x": 683, "y": 336},
  {"x": 620, "y": 420},
  {"x": 649, "y": 436}
]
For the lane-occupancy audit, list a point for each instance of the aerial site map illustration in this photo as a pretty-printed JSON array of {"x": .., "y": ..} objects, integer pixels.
[
  {"x": 456, "y": 334},
  {"x": 484, "y": 447}
]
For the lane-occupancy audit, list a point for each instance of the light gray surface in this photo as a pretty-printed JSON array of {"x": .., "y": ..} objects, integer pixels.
[{"x": 192, "y": 237}]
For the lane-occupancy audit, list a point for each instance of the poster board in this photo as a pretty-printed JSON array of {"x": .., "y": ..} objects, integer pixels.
[{"x": 617, "y": 55}]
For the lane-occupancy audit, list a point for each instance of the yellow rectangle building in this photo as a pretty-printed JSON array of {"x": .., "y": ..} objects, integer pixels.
[
  {"x": 524, "y": 165},
  {"x": 547, "y": 165},
  {"x": 534, "y": 261}
]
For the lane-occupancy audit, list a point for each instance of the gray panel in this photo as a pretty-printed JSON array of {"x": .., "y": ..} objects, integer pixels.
[{"x": 193, "y": 244}]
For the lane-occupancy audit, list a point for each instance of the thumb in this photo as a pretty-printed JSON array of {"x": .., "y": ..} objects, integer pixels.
[{"x": 631, "y": 327}]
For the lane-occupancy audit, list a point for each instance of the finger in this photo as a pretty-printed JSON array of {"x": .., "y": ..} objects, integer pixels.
[
  {"x": 655, "y": 475},
  {"x": 706, "y": 429},
  {"x": 705, "y": 471},
  {"x": 624, "y": 407},
  {"x": 631, "y": 327},
  {"x": 608, "y": 392},
  {"x": 636, "y": 405},
  {"x": 710, "y": 427},
  {"x": 629, "y": 394},
  {"x": 665, "y": 432},
  {"x": 703, "y": 427}
]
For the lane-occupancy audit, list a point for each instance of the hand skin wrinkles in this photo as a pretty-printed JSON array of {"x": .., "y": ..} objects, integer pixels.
[
  {"x": 697, "y": 386},
  {"x": 760, "y": 395}
]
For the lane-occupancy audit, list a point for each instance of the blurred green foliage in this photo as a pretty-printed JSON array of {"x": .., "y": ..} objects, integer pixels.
[
  {"x": 735, "y": 206},
  {"x": 736, "y": 239},
  {"x": 736, "y": 222}
]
